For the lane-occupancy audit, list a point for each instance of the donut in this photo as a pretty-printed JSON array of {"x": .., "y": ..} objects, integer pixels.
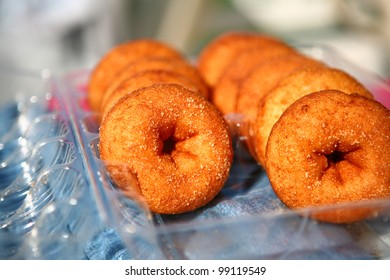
[
  {"x": 144, "y": 79},
  {"x": 172, "y": 64},
  {"x": 259, "y": 82},
  {"x": 173, "y": 141},
  {"x": 290, "y": 89},
  {"x": 265, "y": 77},
  {"x": 220, "y": 52},
  {"x": 330, "y": 149},
  {"x": 225, "y": 92},
  {"x": 116, "y": 59}
]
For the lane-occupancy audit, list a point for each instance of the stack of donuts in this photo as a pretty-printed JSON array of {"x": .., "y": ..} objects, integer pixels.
[
  {"x": 320, "y": 135},
  {"x": 159, "y": 135},
  {"x": 318, "y": 132}
]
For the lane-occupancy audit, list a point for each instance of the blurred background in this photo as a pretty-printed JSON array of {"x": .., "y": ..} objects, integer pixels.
[{"x": 68, "y": 35}]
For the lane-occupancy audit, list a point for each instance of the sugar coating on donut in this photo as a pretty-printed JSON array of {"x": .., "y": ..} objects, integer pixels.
[
  {"x": 117, "y": 58},
  {"x": 330, "y": 148},
  {"x": 226, "y": 89},
  {"x": 290, "y": 89},
  {"x": 171, "y": 64},
  {"x": 221, "y": 51},
  {"x": 145, "y": 79},
  {"x": 176, "y": 143}
]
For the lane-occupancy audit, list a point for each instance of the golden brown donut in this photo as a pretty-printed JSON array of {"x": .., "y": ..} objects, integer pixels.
[
  {"x": 331, "y": 148},
  {"x": 171, "y": 64},
  {"x": 221, "y": 51},
  {"x": 265, "y": 77},
  {"x": 259, "y": 82},
  {"x": 117, "y": 58},
  {"x": 226, "y": 89},
  {"x": 175, "y": 142},
  {"x": 290, "y": 89},
  {"x": 145, "y": 79}
]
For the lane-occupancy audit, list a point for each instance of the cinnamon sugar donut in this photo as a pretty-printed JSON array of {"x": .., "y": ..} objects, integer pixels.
[
  {"x": 117, "y": 58},
  {"x": 226, "y": 89},
  {"x": 290, "y": 89},
  {"x": 145, "y": 79},
  {"x": 175, "y": 142},
  {"x": 259, "y": 82},
  {"x": 221, "y": 51},
  {"x": 171, "y": 64},
  {"x": 265, "y": 77},
  {"x": 331, "y": 148}
]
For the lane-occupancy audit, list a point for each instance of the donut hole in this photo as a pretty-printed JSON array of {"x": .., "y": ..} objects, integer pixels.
[
  {"x": 335, "y": 157},
  {"x": 169, "y": 145},
  {"x": 341, "y": 156}
]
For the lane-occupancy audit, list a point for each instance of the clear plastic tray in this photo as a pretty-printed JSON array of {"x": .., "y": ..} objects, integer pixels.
[{"x": 57, "y": 201}]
